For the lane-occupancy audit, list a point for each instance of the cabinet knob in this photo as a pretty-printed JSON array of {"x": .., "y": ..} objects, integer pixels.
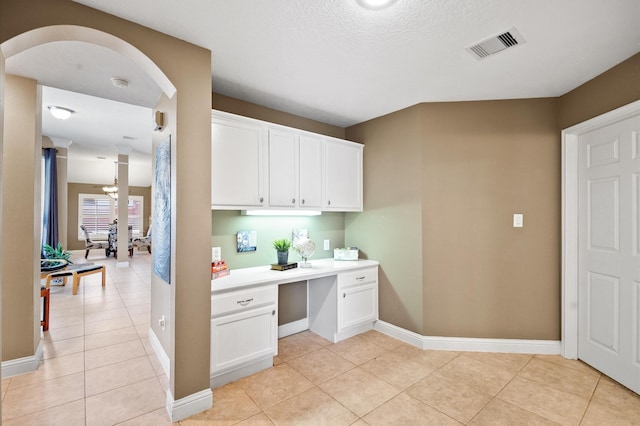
[
  {"x": 273, "y": 312},
  {"x": 328, "y": 202},
  {"x": 293, "y": 201},
  {"x": 344, "y": 295},
  {"x": 303, "y": 201},
  {"x": 261, "y": 199}
]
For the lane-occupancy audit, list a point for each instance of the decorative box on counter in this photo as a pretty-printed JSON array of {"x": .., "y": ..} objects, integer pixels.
[
  {"x": 349, "y": 253},
  {"x": 219, "y": 268}
]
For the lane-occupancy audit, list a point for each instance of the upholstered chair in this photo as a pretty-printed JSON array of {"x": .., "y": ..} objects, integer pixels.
[
  {"x": 93, "y": 245},
  {"x": 113, "y": 239},
  {"x": 143, "y": 242}
]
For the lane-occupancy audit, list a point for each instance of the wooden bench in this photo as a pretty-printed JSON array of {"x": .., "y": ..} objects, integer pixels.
[
  {"x": 77, "y": 272},
  {"x": 44, "y": 293}
]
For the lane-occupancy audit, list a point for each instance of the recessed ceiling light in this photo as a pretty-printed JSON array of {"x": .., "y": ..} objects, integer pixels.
[
  {"x": 375, "y": 4},
  {"x": 60, "y": 113},
  {"x": 119, "y": 82}
]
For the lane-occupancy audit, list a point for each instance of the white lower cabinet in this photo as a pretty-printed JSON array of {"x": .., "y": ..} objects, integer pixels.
[
  {"x": 244, "y": 333},
  {"x": 357, "y": 298},
  {"x": 344, "y": 305},
  {"x": 342, "y": 301}
]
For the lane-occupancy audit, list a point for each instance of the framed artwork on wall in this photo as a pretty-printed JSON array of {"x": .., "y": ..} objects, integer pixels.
[{"x": 162, "y": 212}]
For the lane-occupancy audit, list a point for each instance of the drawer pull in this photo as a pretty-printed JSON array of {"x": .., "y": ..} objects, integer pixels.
[
  {"x": 244, "y": 302},
  {"x": 360, "y": 278}
]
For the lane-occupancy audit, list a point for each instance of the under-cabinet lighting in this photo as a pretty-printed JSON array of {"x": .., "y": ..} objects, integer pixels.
[{"x": 281, "y": 212}]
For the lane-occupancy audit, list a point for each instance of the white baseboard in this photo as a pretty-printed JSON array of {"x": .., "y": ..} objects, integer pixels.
[
  {"x": 27, "y": 364},
  {"x": 160, "y": 353},
  {"x": 189, "y": 405},
  {"x": 546, "y": 347},
  {"x": 294, "y": 327},
  {"x": 218, "y": 379},
  {"x": 352, "y": 331}
]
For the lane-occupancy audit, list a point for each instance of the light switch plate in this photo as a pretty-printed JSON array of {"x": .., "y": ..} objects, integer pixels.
[
  {"x": 518, "y": 220},
  {"x": 327, "y": 244}
]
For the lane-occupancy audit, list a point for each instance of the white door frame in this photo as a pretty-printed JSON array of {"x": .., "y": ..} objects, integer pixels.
[{"x": 570, "y": 220}]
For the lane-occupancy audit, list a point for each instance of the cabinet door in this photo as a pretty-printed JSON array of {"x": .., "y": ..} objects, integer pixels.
[
  {"x": 343, "y": 191},
  {"x": 357, "y": 305},
  {"x": 243, "y": 337},
  {"x": 237, "y": 164},
  {"x": 311, "y": 177},
  {"x": 283, "y": 169}
]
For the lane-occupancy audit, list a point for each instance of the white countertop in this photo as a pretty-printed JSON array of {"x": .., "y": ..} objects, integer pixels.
[{"x": 259, "y": 275}]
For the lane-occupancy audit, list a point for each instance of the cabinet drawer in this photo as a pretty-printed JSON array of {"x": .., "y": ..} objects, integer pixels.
[
  {"x": 358, "y": 277},
  {"x": 234, "y": 301}
]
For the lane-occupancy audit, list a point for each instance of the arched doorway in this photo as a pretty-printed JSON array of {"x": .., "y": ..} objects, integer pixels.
[{"x": 186, "y": 302}]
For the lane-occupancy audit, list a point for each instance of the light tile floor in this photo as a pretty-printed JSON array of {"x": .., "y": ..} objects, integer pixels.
[{"x": 99, "y": 369}]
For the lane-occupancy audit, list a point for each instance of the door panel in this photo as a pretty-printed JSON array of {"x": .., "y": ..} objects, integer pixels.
[
  {"x": 603, "y": 214},
  {"x": 604, "y": 310},
  {"x": 608, "y": 258}
]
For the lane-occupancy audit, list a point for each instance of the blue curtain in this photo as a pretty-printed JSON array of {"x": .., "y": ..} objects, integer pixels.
[{"x": 50, "y": 208}]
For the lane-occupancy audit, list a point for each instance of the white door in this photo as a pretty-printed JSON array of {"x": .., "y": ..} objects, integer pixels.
[{"x": 609, "y": 252}]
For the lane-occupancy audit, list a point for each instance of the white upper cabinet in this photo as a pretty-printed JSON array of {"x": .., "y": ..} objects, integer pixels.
[
  {"x": 237, "y": 163},
  {"x": 262, "y": 165},
  {"x": 311, "y": 175},
  {"x": 343, "y": 176},
  {"x": 295, "y": 169},
  {"x": 283, "y": 169}
]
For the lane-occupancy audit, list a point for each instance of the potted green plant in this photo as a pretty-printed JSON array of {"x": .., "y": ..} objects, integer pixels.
[
  {"x": 56, "y": 252},
  {"x": 282, "y": 246}
]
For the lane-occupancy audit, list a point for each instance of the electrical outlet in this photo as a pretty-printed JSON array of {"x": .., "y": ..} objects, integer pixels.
[{"x": 327, "y": 244}]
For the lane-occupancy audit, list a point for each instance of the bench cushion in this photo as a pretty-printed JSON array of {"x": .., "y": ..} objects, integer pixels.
[{"x": 78, "y": 269}]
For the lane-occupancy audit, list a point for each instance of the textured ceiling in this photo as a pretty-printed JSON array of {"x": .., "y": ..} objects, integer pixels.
[
  {"x": 337, "y": 62},
  {"x": 334, "y": 61}
]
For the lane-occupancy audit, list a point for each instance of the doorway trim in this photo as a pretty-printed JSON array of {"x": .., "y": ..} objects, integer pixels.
[{"x": 569, "y": 291}]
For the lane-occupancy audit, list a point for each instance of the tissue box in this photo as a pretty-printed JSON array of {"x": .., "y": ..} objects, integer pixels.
[{"x": 349, "y": 253}]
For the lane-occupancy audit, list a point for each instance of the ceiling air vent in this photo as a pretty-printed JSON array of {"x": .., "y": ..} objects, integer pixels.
[{"x": 496, "y": 44}]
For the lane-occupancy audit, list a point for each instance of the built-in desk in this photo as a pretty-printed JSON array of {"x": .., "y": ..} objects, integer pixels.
[{"x": 342, "y": 301}]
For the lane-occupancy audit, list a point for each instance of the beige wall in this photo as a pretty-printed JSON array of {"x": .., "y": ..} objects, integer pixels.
[
  {"x": 617, "y": 87},
  {"x": 390, "y": 228},
  {"x": 188, "y": 68},
  {"x": 442, "y": 182},
  {"x": 75, "y": 189},
  {"x": 21, "y": 218},
  {"x": 236, "y": 106},
  {"x": 483, "y": 162},
  {"x": 474, "y": 274}
]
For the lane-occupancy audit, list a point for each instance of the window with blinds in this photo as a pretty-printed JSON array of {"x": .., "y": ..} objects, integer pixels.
[{"x": 97, "y": 212}]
